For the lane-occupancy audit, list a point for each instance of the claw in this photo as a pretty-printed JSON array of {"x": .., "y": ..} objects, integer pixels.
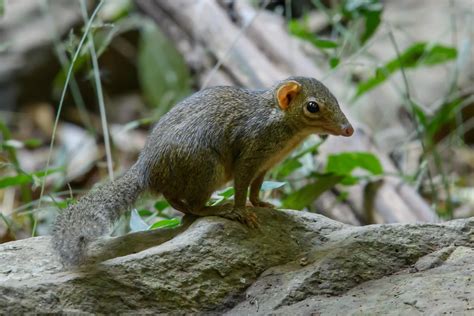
[
  {"x": 245, "y": 217},
  {"x": 251, "y": 220}
]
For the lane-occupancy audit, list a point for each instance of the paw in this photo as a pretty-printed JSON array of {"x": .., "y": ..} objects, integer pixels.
[{"x": 245, "y": 217}]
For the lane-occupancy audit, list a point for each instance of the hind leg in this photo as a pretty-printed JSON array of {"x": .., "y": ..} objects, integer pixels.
[
  {"x": 228, "y": 210},
  {"x": 191, "y": 196},
  {"x": 198, "y": 207},
  {"x": 242, "y": 215}
]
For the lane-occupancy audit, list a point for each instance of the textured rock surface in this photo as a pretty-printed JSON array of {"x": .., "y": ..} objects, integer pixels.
[{"x": 298, "y": 262}]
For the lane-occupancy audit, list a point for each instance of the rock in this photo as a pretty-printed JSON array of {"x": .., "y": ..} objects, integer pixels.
[{"x": 297, "y": 262}]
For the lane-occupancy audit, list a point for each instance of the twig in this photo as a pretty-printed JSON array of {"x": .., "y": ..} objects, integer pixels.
[
  {"x": 63, "y": 95},
  {"x": 407, "y": 97},
  {"x": 100, "y": 96}
]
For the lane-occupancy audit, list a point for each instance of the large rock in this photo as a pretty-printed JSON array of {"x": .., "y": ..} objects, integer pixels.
[{"x": 296, "y": 263}]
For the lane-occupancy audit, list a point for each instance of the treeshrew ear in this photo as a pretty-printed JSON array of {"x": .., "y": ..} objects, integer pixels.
[{"x": 286, "y": 93}]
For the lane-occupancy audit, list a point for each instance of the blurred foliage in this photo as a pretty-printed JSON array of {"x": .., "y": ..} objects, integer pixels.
[
  {"x": 419, "y": 54},
  {"x": 339, "y": 170},
  {"x": 369, "y": 11},
  {"x": 164, "y": 79},
  {"x": 347, "y": 37},
  {"x": 164, "y": 76},
  {"x": 352, "y": 21},
  {"x": 300, "y": 30}
]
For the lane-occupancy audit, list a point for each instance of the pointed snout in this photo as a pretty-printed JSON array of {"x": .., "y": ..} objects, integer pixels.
[{"x": 347, "y": 130}]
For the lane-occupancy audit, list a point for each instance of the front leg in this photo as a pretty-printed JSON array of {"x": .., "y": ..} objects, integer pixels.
[
  {"x": 255, "y": 192},
  {"x": 242, "y": 179}
]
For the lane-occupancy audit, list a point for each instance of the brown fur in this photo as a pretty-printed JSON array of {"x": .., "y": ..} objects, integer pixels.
[{"x": 213, "y": 136}]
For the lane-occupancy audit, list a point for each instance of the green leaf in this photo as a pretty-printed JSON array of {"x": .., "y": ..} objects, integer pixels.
[
  {"x": 33, "y": 142},
  {"x": 15, "y": 180},
  {"x": 345, "y": 163},
  {"x": 62, "y": 204},
  {"x": 298, "y": 29},
  {"x": 287, "y": 167},
  {"x": 44, "y": 173},
  {"x": 443, "y": 115},
  {"x": 333, "y": 62},
  {"x": 292, "y": 163},
  {"x": 310, "y": 192},
  {"x": 161, "y": 205},
  {"x": 227, "y": 192},
  {"x": 2, "y": 7},
  {"x": 323, "y": 43},
  {"x": 223, "y": 195},
  {"x": 420, "y": 115},
  {"x": 145, "y": 213},
  {"x": 372, "y": 21},
  {"x": 25, "y": 178},
  {"x": 29, "y": 143},
  {"x": 166, "y": 223},
  {"x": 438, "y": 54},
  {"x": 368, "y": 10},
  {"x": 271, "y": 185},
  {"x": 418, "y": 54},
  {"x": 163, "y": 74}
]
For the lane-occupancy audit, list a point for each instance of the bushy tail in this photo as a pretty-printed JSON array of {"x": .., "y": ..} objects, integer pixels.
[{"x": 93, "y": 216}]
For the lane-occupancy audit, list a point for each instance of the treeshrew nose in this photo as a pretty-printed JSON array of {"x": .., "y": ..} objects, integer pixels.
[{"x": 347, "y": 130}]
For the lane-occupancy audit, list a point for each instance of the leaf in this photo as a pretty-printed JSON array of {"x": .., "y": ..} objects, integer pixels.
[
  {"x": 62, "y": 204},
  {"x": 33, "y": 143},
  {"x": 310, "y": 192},
  {"x": 369, "y": 10},
  {"x": 161, "y": 205},
  {"x": 372, "y": 21},
  {"x": 137, "y": 224},
  {"x": 227, "y": 192},
  {"x": 344, "y": 163},
  {"x": 163, "y": 74},
  {"x": 443, "y": 116},
  {"x": 145, "y": 213},
  {"x": 13, "y": 143},
  {"x": 292, "y": 163},
  {"x": 222, "y": 196},
  {"x": 2, "y": 7},
  {"x": 333, "y": 62},
  {"x": 288, "y": 167},
  {"x": 15, "y": 180},
  {"x": 420, "y": 114},
  {"x": 271, "y": 185},
  {"x": 25, "y": 178},
  {"x": 418, "y": 54},
  {"x": 298, "y": 29},
  {"x": 114, "y": 10},
  {"x": 166, "y": 223},
  {"x": 29, "y": 143}
]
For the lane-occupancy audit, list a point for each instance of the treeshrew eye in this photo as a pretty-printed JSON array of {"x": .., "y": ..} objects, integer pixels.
[{"x": 312, "y": 107}]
